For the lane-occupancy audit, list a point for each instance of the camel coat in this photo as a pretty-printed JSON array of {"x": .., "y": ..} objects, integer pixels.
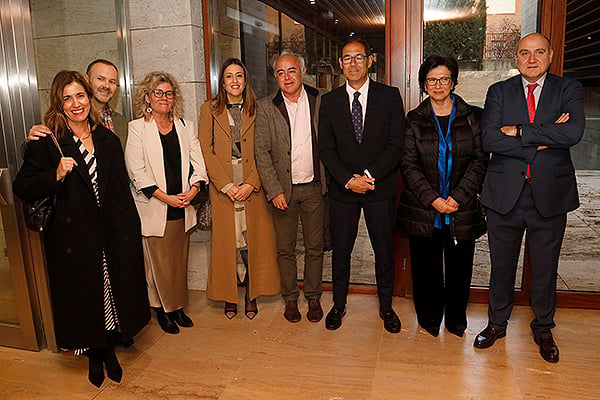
[{"x": 215, "y": 141}]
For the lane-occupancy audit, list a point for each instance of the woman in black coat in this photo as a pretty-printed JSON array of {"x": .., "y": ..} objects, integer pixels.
[
  {"x": 443, "y": 168},
  {"x": 93, "y": 241}
]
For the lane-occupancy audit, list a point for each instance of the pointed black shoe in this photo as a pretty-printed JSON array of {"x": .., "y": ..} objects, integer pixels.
[
  {"x": 113, "y": 368},
  {"x": 181, "y": 318},
  {"x": 166, "y": 322},
  {"x": 391, "y": 322},
  {"x": 96, "y": 370}
]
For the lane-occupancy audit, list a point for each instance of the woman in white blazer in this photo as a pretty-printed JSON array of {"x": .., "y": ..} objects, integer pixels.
[{"x": 165, "y": 164}]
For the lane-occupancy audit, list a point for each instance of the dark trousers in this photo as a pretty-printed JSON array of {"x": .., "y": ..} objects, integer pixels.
[
  {"x": 307, "y": 203},
  {"x": 544, "y": 236},
  {"x": 441, "y": 276},
  {"x": 380, "y": 217}
]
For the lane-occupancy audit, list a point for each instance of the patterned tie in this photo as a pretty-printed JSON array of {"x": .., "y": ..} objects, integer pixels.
[
  {"x": 357, "y": 122},
  {"x": 531, "y": 111},
  {"x": 531, "y": 101}
]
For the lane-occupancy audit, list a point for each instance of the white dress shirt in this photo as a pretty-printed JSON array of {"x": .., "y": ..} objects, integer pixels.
[{"x": 301, "y": 139}]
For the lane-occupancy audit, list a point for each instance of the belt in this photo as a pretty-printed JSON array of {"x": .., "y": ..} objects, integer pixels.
[{"x": 304, "y": 184}]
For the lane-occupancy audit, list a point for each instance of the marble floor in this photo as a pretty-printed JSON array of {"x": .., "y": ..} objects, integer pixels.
[{"x": 269, "y": 358}]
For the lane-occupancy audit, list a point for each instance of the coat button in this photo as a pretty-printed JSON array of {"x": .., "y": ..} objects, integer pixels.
[
  {"x": 246, "y": 160},
  {"x": 244, "y": 139},
  {"x": 68, "y": 251},
  {"x": 68, "y": 219}
]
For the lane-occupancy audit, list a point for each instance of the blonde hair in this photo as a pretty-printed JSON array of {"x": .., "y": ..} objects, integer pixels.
[{"x": 146, "y": 86}]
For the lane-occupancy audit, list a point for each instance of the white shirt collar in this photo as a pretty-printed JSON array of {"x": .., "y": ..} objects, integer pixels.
[
  {"x": 540, "y": 82},
  {"x": 364, "y": 89},
  {"x": 301, "y": 98}
]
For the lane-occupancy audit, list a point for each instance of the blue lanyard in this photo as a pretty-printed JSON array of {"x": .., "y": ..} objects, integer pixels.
[{"x": 444, "y": 161}]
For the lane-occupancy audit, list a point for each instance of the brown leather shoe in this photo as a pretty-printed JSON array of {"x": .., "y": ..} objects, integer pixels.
[
  {"x": 315, "y": 312},
  {"x": 291, "y": 312},
  {"x": 548, "y": 348},
  {"x": 488, "y": 337}
]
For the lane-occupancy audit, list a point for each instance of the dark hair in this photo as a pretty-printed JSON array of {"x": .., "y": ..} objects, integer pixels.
[
  {"x": 437, "y": 61},
  {"x": 219, "y": 102},
  {"x": 55, "y": 118},
  {"x": 100, "y": 61},
  {"x": 360, "y": 41}
]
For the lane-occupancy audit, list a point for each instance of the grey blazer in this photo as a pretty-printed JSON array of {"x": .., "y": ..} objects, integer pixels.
[{"x": 272, "y": 143}]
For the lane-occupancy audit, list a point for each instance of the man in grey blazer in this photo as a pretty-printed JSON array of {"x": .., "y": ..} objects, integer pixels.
[
  {"x": 529, "y": 124},
  {"x": 292, "y": 177},
  {"x": 103, "y": 77}
]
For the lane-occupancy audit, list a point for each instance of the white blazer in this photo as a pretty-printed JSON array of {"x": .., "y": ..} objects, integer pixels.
[{"x": 146, "y": 167}]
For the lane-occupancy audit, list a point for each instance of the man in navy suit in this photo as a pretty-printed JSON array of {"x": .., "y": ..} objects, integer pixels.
[
  {"x": 361, "y": 133},
  {"x": 529, "y": 124}
]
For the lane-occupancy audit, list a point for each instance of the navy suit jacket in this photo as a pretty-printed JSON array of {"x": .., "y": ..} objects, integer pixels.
[
  {"x": 553, "y": 181},
  {"x": 379, "y": 150}
]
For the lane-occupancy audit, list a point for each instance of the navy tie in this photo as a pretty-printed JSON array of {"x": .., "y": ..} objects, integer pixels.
[{"x": 357, "y": 122}]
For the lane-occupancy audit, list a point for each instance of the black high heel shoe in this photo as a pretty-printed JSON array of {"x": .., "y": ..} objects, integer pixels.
[
  {"x": 230, "y": 310},
  {"x": 96, "y": 370},
  {"x": 113, "y": 368},
  {"x": 251, "y": 309}
]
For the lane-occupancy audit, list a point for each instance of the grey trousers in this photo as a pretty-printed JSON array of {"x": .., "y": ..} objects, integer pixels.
[{"x": 306, "y": 202}]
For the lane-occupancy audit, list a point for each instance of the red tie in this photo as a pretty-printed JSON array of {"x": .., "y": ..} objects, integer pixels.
[
  {"x": 531, "y": 102},
  {"x": 531, "y": 111}
]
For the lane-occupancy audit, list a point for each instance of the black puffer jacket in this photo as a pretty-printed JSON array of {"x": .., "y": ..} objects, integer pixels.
[{"x": 419, "y": 166}]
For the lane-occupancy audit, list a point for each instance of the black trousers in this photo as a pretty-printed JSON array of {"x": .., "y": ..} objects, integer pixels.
[
  {"x": 380, "y": 217},
  {"x": 438, "y": 290},
  {"x": 544, "y": 235}
]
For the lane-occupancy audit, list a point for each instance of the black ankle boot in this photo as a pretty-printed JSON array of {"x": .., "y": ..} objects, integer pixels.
[
  {"x": 181, "y": 318},
  {"x": 113, "y": 368},
  {"x": 96, "y": 370},
  {"x": 166, "y": 322}
]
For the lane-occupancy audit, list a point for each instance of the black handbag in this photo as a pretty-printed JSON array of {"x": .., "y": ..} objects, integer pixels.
[
  {"x": 202, "y": 194},
  {"x": 38, "y": 213}
]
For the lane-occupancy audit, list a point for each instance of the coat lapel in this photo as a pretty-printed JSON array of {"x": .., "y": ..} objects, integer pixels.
[
  {"x": 69, "y": 149},
  {"x": 247, "y": 122},
  {"x": 547, "y": 97},
  {"x": 154, "y": 152},
  {"x": 370, "y": 115},
  {"x": 521, "y": 101},
  {"x": 223, "y": 121}
]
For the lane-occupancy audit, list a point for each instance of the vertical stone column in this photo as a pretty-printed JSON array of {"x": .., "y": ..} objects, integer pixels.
[{"x": 168, "y": 36}]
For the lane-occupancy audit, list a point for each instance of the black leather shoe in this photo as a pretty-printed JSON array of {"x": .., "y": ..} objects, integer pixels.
[
  {"x": 548, "y": 348},
  {"x": 166, "y": 322},
  {"x": 432, "y": 330},
  {"x": 334, "y": 318},
  {"x": 181, "y": 318},
  {"x": 488, "y": 337},
  {"x": 291, "y": 312},
  {"x": 391, "y": 322}
]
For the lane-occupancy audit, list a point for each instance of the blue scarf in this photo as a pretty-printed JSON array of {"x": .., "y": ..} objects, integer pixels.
[{"x": 444, "y": 163}]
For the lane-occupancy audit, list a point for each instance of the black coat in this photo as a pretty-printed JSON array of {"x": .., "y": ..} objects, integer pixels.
[
  {"x": 419, "y": 166},
  {"x": 78, "y": 232},
  {"x": 379, "y": 150}
]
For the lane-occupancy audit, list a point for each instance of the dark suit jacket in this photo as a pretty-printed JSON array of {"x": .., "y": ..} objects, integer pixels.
[
  {"x": 552, "y": 173},
  {"x": 381, "y": 146},
  {"x": 272, "y": 143}
]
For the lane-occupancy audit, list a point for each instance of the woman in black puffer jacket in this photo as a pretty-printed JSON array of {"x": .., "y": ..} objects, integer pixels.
[{"x": 443, "y": 167}]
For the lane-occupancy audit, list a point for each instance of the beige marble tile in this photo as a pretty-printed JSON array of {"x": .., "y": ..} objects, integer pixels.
[{"x": 159, "y": 13}]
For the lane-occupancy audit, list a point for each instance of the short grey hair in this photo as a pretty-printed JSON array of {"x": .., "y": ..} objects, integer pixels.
[{"x": 288, "y": 52}]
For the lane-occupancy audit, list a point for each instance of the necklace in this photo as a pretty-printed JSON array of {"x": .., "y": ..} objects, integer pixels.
[{"x": 86, "y": 136}]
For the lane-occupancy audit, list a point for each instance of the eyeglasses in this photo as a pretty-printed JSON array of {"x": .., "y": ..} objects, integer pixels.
[
  {"x": 160, "y": 93},
  {"x": 359, "y": 58},
  {"x": 444, "y": 80}
]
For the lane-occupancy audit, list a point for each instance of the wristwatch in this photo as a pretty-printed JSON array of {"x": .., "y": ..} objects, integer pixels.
[{"x": 519, "y": 128}]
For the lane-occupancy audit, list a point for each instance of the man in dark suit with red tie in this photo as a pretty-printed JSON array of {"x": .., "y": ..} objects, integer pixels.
[
  {"x": 529, "y": 124},
  {"x": 361, "y": 133}
]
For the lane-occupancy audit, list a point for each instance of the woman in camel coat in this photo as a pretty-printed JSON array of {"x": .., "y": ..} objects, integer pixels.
[{"x": 242, "y": 230}]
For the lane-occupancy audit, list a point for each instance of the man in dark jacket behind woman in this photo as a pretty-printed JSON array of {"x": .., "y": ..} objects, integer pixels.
[{"x": 443, "y": 167}]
